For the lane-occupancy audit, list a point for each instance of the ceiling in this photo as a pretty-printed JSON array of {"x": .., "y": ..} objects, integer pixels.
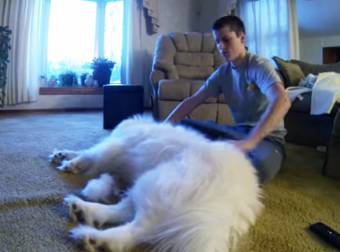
[{"x": 318, "y": 17}]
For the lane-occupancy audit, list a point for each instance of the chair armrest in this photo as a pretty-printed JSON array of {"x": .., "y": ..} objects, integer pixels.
[
  {"x": 164, "y": 57},
  {"x": 168, "y": 68},
  {"x": 161, "y": 70},
  {"x": 155, "y": 76}
]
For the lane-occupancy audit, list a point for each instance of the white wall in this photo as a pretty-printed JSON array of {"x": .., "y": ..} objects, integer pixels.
[
  {"x": 174, "y": 16},
  {"x": 311, "y": 47},
  {"x": 183, "y": 16},
  {"x": 209, "y": 11}
]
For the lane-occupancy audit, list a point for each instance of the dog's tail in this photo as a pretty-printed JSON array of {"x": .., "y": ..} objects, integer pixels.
[{"x": 194, "y": 231}]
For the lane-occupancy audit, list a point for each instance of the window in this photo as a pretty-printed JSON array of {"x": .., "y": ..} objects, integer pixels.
[
  {"x": 267, "y": 27},
  {"x": 79, "y": 31}
]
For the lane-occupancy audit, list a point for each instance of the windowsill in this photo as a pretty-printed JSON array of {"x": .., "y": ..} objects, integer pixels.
[{"x": 70, "y": 91}]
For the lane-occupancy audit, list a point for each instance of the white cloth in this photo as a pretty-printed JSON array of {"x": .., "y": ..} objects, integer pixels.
[
  {"x": 325, "y": 93},
  {"x": 296, "y": 92}
]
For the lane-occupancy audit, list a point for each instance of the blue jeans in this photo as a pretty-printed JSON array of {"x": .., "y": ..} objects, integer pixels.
[{"x": 267, "y": 157}]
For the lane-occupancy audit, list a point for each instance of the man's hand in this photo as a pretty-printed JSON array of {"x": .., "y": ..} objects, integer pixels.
[
  {"x": 278, "y": 106},
  {"x": 243, "y": 145}
]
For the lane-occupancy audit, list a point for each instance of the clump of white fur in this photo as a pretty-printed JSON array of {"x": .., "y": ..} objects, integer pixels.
[
  {"x": 101, "y": 189},
  {"x": 186, "y": 194}
]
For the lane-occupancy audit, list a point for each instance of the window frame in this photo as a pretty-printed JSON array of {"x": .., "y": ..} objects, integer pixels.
[
  {"x": 100, "y": 26},
  {"x": 99, "y": 51}
]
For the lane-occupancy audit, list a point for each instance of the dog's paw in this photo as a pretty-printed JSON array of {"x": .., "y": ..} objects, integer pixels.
[
  {"x": 89, "y": 238},
  {"x": 75, "y": 212},
  {"x": 82, "y": 211},
  {"x": 69, "y": 166},
  {"x": 56, "y": 157}
]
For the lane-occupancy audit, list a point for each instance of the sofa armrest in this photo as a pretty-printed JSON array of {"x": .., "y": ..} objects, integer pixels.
[
  {"x": 161, "y": 70},
  {"x": 336, "y": 124},
  {"x": 168, "y": 68},
  {"x": 331, "y": 165},
  {"x": 155, "y": 76}
]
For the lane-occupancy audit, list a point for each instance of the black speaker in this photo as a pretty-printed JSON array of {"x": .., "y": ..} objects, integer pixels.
[{"x": 120, "y": 102}]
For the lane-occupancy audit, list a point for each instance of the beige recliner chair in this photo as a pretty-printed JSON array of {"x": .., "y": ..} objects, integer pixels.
[{"x": 182, "y": 62}]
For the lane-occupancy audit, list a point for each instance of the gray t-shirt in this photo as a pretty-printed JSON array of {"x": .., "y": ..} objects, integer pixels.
[{"x": 244, "y": 89}]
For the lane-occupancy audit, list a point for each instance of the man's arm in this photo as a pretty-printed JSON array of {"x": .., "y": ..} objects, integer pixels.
[
  {"x": 279, "y": 105},
  {"x": 188, "y": 105}
]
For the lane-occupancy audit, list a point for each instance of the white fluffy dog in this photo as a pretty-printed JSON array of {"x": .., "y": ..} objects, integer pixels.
[{"x": 186, "y": 193}]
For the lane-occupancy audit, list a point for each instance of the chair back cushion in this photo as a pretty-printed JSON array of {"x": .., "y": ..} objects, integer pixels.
[{"x": 189, "y": 55}]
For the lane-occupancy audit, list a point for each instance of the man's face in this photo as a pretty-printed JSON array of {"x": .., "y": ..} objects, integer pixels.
[{"x": 229, "y": 44}]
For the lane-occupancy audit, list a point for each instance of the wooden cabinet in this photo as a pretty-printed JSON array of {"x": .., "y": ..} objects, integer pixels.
[{"x": 331, "y": 54}]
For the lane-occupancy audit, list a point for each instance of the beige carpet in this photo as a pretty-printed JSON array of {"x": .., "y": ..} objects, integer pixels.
[
  {"x": 297, "y": 197},
  {"x": 32, "y": 217}
]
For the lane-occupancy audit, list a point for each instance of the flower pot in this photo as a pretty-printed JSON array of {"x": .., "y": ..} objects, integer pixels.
[
  {"x": 68, "y": 79},
  {"x": 102, "y": 75}
]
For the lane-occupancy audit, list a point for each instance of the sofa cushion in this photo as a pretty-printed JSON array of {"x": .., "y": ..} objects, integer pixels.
[
  {"x": 194, "y": 59},
  {"x": 169, "y": 70},
  {"x": 193, "y": 72},
  {"x": 195, "y": 85},
  {"x": 302, "y": 105},
  {"x": 291, "y": 72},
  {"x": 315, "y": 68},
  {"x": 209, "y": 44},
  {"x": 176, "y": 90},
  {"x": 165, "y": 50},
  {"x": 205, "y": 112},
  {"x": 187, "y": 42}
]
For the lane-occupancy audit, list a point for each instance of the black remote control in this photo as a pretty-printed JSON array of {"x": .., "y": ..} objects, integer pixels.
[{"x": 326, "y": 233}]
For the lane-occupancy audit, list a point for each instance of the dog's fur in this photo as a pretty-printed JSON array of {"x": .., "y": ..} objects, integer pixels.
[{"x": 186, "y": 193}]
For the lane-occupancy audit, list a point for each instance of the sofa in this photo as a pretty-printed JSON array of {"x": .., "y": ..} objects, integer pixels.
[
  {"x": 304, "y": 128},
  {"x": 181, "y": 64}
]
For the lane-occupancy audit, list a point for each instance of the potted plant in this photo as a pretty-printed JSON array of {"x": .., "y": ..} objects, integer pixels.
[
  {"x": 68, "y": 79},
  {"x": 83, "y": 77},
  {"x": 5, "y": 34},
  {"x": 102, "y": 69}
]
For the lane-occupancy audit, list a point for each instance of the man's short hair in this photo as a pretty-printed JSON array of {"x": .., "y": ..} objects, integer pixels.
[{"x": 234, "y": 23}]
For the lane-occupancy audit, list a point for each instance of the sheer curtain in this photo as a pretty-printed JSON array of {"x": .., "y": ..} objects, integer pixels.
[
  {"x": 132, "y": 71},
  {"x": 271, "y": 27},
  {"x": 294, "y": 44},
  {"x": 24, "y": 18}
]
